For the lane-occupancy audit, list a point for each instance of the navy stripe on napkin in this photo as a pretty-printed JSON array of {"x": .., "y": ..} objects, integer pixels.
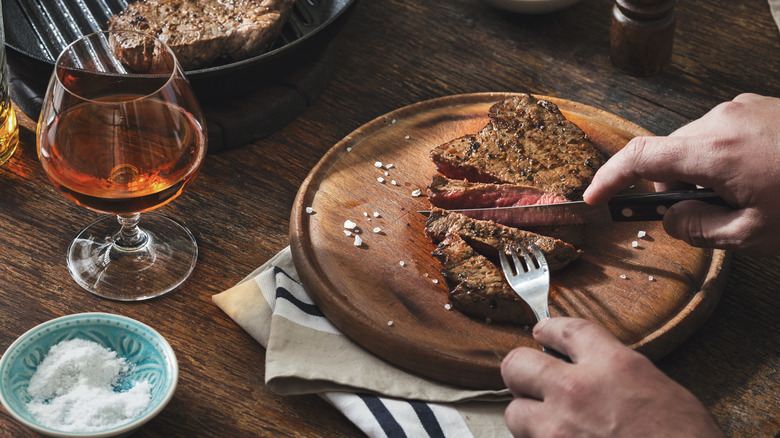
[
  {"x": 427, "y": 418},
  {"x": 281, "y": 292},
  {"x": 383, "y": 416}
]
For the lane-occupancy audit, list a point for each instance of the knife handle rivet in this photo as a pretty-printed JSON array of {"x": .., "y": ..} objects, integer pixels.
[
  {"x": 661, "y": 210},
  {"x": 627, "y": 212}
]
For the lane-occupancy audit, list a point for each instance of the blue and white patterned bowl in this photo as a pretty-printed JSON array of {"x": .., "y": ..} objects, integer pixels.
[{"x": 140, "y": 345}]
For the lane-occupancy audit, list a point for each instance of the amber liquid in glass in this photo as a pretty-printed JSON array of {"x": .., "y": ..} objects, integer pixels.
[
  {"x": 9, "y": 131},
  {"x": 96, "y": 155}
]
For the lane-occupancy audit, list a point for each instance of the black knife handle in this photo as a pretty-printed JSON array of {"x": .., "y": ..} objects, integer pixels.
[{"x": 653, "y": 206}]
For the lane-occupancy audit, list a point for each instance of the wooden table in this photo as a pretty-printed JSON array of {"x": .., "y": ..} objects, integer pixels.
[{"x": 392, "y": 53}]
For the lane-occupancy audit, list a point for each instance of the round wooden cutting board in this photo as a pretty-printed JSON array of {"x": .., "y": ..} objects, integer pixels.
[{"x": 388, "y": 294}]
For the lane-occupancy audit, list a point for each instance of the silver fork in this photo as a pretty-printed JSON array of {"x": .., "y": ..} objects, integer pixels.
[{"x": 530, "y": 279}]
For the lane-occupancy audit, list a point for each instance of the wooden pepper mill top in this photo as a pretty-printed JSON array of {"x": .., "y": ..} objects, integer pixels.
[{"x": 641, "y": 35}]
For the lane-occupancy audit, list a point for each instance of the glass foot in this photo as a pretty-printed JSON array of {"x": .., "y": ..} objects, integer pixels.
[{"x": 163, "y": 259}]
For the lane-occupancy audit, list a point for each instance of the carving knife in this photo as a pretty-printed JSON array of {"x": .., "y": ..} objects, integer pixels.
[{"x": 621, "y": 208}]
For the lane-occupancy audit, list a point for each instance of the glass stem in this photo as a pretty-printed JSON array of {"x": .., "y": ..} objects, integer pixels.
[{"x": 131, "y": 236}]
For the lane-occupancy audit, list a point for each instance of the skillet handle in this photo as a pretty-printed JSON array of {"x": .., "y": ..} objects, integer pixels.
[{"x": 653, "y": 206}]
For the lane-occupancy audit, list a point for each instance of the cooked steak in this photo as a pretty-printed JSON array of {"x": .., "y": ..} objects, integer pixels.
[
  {"x": 201, "y": 31},
  {"x": 454, "y": 193},
  {"x": 489, "y": 237},
  {"x": 528, "y": 142},
  {"x": 477, "y": 286}
]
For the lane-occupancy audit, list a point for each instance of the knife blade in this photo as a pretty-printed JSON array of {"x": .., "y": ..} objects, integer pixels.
[{"x": 621, "y": 208}]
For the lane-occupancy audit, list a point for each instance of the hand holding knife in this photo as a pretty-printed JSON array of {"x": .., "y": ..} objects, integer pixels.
[{"x": 621, "y": 208}]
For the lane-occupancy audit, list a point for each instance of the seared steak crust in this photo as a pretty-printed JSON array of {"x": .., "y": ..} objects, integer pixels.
[
  {"x": 201, "y": 31},
  {"x": 528, "y": 142},
  {"x": 453, "y": 194},
  {"x": 489, "y": 237},
  {"x": 477, "y": 286}
]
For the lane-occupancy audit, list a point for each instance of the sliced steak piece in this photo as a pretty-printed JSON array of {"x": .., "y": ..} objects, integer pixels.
[
  {"x": 489, "y": 237},
  {"x": 527, "y": 142},
  {"x": 454, "y": 193},
  {"x": 477, "y": 286},
  {"x": 201, "y": 31}
]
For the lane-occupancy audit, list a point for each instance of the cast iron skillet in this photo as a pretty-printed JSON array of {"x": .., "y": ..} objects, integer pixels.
[{"x": 37, "y": 30}]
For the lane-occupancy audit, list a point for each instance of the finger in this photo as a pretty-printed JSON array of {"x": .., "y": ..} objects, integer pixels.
[
  {"x": 659, "y": 159},
  {"x": 626, "y": 167},
  {"x": 527, "y": 371},
  {"x": 575, "y": 337},
  {"x": 521, "y": 414},
  {"x": 749, "y": 98},
  {"x": 710, "y": 226},
  {"x": 674, "y": 185}
]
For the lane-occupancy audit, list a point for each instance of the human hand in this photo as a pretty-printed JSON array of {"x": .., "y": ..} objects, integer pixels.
[
  {"x": 608, "y": 391},
  {"x": 735, "y": 150}
]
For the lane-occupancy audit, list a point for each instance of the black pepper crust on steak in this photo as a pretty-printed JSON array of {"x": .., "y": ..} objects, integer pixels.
[
  {"x": 202, "y": 31},
  {"x": 528, "y": 142},
  {"x": 489, "y": 237},
  {"x": 477, "y": 286}
]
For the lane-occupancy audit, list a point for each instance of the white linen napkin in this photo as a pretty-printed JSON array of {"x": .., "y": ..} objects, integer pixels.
[
  {"x": 774, "y": 6},
  {"x": 306, "y": 354}
]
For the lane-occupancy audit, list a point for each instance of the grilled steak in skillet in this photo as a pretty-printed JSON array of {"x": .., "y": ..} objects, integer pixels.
[
  {"x": 477, "y": 286},
  {"x": 527, "y": 142},
  {"x": 202, "y": 31}
]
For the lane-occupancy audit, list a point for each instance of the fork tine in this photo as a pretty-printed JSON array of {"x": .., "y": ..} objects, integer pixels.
[
  {"x": 519, "y": 267},
  {"x": 529, "y": 262},
  {"x": 541, "y": 260},
  {"x": 504, "y": 262}
]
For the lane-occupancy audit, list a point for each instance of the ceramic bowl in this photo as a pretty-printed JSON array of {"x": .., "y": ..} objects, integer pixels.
[
  {"x": 152, "y": 358},
  {"x": 531, "y": 6}
]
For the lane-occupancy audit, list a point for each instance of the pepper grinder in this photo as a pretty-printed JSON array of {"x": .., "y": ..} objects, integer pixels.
[{"x": 641, "y": 35}]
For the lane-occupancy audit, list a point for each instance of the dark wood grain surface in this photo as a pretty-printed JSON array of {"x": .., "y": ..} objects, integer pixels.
[{"x": 390, "y": 54}]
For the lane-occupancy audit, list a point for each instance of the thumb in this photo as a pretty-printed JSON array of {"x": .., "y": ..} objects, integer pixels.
[{"x": 704, "y": 225}]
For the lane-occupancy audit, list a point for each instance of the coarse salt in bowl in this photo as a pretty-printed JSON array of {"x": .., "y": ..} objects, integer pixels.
[{"x": 149, "y": 355}]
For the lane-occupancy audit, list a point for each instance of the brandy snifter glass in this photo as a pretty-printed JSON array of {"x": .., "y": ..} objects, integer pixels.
[{"x": 121, "y": 132}]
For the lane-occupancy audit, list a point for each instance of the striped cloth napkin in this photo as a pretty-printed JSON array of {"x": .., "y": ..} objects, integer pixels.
[{"x": 306, "y": 354}]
